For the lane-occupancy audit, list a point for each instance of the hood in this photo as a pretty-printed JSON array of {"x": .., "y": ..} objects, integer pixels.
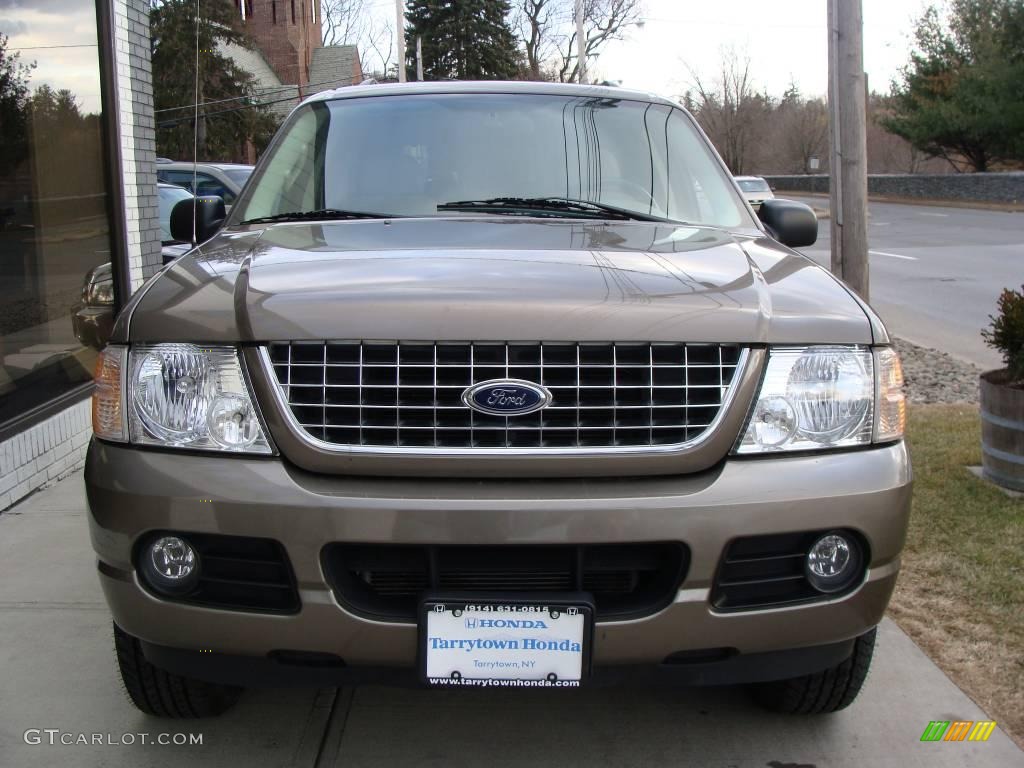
[{"x": 486, "y": 278}]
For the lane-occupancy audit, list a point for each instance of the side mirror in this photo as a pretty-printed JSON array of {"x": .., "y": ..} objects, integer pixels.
[
  {"x": 210, "y": 215},
  {"x": 791, "y": 223}
]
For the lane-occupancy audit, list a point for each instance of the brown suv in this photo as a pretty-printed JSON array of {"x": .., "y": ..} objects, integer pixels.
[{"x": 495, "y": 384}]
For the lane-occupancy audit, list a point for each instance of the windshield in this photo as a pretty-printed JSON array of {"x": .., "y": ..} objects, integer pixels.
[
  {"x": 238, "y": 175},
  {"x": 169, "y": 197},
  {"x": 753, "y": 185},
  {"x": 407, "y": 155}
]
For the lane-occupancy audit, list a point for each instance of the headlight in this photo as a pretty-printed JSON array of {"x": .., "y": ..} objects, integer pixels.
[
  {"x": 813, "y": 398},
  {"x": 100, "y": 294},
  {"x": 186, "y": 396},
  {"x": 98, "y": 290}
]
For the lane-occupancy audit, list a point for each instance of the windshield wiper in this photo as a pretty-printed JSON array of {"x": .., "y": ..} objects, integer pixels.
[
  {"x": 557, "y": 205},
  {"x": 323, "y": 213}
]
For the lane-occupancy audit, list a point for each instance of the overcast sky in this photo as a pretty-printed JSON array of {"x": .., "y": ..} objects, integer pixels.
[
  {"x": 59, "y": 36},
  {"x": 785, "y": 40}
]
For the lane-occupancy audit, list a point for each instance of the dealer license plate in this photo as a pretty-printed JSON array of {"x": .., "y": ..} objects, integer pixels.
[{"x": 505, "y": 644}]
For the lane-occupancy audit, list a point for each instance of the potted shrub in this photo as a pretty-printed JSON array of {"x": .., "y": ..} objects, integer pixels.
[{"x": 1002, "y": 396}]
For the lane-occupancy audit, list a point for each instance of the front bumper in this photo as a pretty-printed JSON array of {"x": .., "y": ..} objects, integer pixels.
[{"x": 133, "y": 491}]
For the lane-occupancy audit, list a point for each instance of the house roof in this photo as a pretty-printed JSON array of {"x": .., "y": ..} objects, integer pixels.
[
  {"x": 280, "y": 98},
  {"x": 252, "y": 61},
  {"x": 334, "y": 66}
]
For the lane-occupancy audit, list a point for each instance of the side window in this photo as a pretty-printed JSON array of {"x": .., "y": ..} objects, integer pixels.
[
  {"x": 696, "y": 184},
  {"x": 178, "y": 178},
  {"x": 207, "y": 185},
  {"x": 288, "y": 182}
]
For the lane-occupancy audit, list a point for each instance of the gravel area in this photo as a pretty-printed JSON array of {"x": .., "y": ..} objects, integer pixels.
[{"x": 932, "y": 376}]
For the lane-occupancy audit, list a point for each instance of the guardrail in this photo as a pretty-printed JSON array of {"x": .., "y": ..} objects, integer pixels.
[{"x": 973, "y": 187}]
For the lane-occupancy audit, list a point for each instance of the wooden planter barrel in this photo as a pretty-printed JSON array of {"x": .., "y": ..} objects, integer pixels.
[{"x": 1002, "y": 431}]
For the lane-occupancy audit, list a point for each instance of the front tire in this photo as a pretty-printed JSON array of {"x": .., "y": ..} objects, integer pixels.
[
  {"x": 163, "y": 694},
  {"x": 830, "y": 690}
]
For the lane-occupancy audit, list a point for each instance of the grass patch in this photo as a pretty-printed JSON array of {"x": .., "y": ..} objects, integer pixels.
[{"x": 960, "y": 594}]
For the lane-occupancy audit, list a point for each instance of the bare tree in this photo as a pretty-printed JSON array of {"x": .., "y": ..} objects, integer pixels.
[
  {"x": 534, "y": 21},
  {"x": 344, "y": 21},
  {"x": 547, "y": 32},
  {"x": 728, "y": 109},
  {"x": 351, "y": 22},
  {"x": 803, "y": 131},
  {"x": 380, "y": 40}
]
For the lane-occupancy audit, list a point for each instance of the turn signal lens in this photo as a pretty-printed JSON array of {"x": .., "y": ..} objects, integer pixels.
[
  {"x": 891, "y": 408},
  {"x": 108, "y": 415}
]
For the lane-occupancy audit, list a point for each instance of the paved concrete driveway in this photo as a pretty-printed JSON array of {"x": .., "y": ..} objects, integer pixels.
[{"x": 57, "y": 672}]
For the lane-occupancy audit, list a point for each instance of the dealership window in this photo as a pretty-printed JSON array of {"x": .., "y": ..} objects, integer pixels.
[{"x": 54, "y": 202}]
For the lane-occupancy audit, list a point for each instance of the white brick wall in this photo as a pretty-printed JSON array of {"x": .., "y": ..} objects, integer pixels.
[
  {"x": 44, "y": 453},
  {"x": 138, "y": 137}
]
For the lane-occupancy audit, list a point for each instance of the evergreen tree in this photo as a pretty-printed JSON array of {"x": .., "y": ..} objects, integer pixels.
[
  {"x": 962, "y": 94},
  {"x": 461, "y": 39},
  {"x": 13, "y": 99},
  {"x": 225, "y": 125}
]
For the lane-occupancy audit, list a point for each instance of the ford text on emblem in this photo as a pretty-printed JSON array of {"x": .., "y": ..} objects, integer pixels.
[{"x": 506, "y": 397}]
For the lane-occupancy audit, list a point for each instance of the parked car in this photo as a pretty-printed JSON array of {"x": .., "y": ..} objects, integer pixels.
[
  {"x": 558, "y": 414},
  {"x": 223, "y": 180},
  {"x": 92, "y": 319},
  {"x": 755, "y": 190}
]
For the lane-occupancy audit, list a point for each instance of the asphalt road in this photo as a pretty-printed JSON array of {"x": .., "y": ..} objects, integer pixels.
[
  {"x": 936, "y": 272},
  {"x": 57, "y": 668}
]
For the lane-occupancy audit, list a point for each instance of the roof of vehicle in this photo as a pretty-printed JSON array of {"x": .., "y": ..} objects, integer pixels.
[
  {"x": 487, "y": 86},
  {"x": 749, "y": 178},
  {"x": 166, "y": 185},
  {"x": 163, "y": 163}
]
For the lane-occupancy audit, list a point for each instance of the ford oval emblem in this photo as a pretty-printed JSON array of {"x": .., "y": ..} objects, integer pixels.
[{"x": 506, "y": 397}]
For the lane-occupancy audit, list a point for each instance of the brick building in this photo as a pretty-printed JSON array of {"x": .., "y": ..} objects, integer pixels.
[
  {"x": 286, "y": 32},
  {"x": 290, "y": 61}
]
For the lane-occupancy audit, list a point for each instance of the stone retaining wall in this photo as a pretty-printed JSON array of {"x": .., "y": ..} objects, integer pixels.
[{"x": 976, "y": 187}]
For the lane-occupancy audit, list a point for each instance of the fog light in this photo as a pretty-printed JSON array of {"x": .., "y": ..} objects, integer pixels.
[
  {"x": 833, "y": 562},
  {"x": 170, "y": 565}
]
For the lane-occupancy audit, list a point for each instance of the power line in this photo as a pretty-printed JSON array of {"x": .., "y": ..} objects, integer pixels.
[
  {"x": 264, "y": 92},
  {"x": 51, "y": 47},
  {"x": 178, "y": 120}
]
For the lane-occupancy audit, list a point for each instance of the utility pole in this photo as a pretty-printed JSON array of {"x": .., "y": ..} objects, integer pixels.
[
  {"x": 581, "y": 43},
  {"x": 419, "y": 57},
  {"x": 400, "y": 32},
  {"x": 847, "y": 126}
]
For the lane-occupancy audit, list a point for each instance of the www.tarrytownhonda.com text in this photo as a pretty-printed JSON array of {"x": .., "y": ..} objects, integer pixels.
[{"x": 54, "y": 736}]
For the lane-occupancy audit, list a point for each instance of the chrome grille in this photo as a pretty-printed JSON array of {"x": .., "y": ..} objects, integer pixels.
[{"x": 408, "y": 394}]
